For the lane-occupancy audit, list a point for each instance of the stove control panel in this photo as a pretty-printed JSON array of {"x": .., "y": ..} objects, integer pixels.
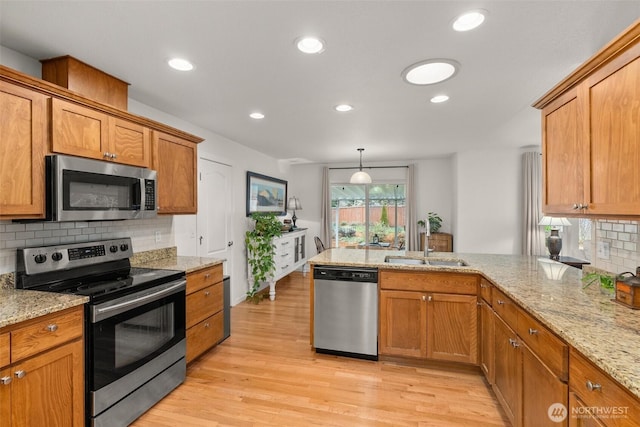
[{"x": 63, "y": 257}]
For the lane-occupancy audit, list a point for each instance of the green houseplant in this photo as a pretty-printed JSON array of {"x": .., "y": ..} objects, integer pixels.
[
  {"x": 607, "y": 282},
  {"x": 261, "y": 251},
  {"x": 435, "y": 222}
]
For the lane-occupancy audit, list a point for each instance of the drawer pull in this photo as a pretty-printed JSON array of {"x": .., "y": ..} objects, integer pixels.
[
  {"x": 533, "y": 331},
  {"x": 20, "y": 374},
  {"x": 500, "y": 302},
  {"x": 430, "y": 298},
  {"x": 424, "y": 297},
  {"x": 5, "y": 380},
  {"x": 107, "y": 155},
  {"x": 593, "y": 386},
  {"x": 206, "y": 325},
  {"x": 52, "y": 327},
  {"x": 207, "y": 293},
  {"x": 479, "y": 303},
  {"x": 513, "y": 343},
  {"x": 482, "y": 285},
  {"x": 206, "y": 276}
]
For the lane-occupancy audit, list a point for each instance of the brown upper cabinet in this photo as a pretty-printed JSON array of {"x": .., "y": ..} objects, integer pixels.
[
  {"x": 591, "y": 135},
  {"x": 175, "y": 160},
  {"x": 23, "y": 145},
  {"x": 85, "y": 132}
]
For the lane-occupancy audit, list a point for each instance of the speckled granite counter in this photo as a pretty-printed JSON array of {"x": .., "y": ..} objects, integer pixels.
[
  {"x": 17, "y": 305},
  {"x": 605, "y": 332},
  {"x": 186, "y": 263}
]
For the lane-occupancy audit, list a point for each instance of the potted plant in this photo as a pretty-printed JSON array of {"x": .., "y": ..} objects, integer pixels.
[
  {"x": 261, "y": 251},
  {"x": 435, "y": 222},
  {"x": 607, "y": 282}
]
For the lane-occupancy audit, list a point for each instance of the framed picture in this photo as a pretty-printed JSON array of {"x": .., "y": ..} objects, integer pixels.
[{"x": 266, "y": 194}]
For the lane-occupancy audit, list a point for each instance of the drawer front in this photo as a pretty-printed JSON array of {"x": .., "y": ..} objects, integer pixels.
[
  {"x": 203, "y": 278},
  {"x": 486, "y": 290},
  {"x": 204, "y": 335},
  {"x": 548, "y": 347},
  {"x": 204, "y": 303},
  {"x": 446, "y": 283},
  {"x": 45, "y": 333},
  {"x": 605, "y": 394},
  {"x": 5, "y": 353},
  {"x": 505, "y": 308}
]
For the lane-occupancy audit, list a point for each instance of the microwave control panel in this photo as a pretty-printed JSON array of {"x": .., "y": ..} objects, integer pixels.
[{"x": 149, "y": 195}]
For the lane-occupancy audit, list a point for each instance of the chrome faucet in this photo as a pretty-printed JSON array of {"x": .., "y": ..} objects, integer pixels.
[{"x": 427, "y": 234}]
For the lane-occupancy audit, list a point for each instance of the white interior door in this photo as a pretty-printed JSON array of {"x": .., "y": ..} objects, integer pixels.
[{"x": 214, "y": 211}]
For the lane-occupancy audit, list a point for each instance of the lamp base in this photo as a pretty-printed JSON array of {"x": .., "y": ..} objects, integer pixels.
[
  {"x": 554, "y": 244},
  {"x": 293, "y": 219}
]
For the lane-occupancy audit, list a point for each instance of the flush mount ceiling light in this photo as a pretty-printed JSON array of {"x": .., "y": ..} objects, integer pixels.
[
  {"x": 256, "y": 115},
  {"x": 310, "y": 45},
  {"x": 343, "y": 108},
  {"x": 469, "y": 20},
  {"x": 360, "y": 177},
  {"x": 430, "y": 71},
  {"x": 439, "y": 98},
  {"x": 180, "y": 64}
]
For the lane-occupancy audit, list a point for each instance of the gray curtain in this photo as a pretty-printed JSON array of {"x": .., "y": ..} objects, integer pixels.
[
  {"x": 325, "y": 215},
  {"x": 533, "y": 234},
  {"x": 412, "y": 237}
]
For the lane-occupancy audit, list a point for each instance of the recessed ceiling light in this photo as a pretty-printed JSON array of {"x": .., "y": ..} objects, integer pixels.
[
  {"x": 439, "y": 98},
  {"x": 469, "y": 20},
  {"x": 430, "y": 71},
  {"x": 256, "y": 115},
  {"x": 310, "y": 45},
  {"x": 180, "y": 64},
  {"x": 343, "y": 108}
]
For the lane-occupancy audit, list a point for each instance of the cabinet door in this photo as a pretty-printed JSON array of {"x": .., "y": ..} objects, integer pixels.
[
  {"x": 403, "y": 324},
  {"x": 487, "y": 343},
  {"x": 613, "y": 99},
  {"x": 452, "y": 328},
  {"x": 565, "y": 156},
  {"x": 5, "y": 397},
  {"x": 23, "y": 145},
  {"x": 51, "y": 389},
  {"x": 176, "y": 162},
  {"x": 130, "y": 143},
  {"x": 540, "y": 390},
  {"x": 508, "y": 371},
  {"x": 579, "y": 415},
  {"x": 79, "y": 131}
]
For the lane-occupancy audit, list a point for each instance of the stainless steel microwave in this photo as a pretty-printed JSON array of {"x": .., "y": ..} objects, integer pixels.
[{"x": 81, "y": 189}]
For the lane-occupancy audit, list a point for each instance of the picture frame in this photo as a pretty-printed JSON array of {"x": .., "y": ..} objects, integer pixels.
[{"x": 266, "y": 194}]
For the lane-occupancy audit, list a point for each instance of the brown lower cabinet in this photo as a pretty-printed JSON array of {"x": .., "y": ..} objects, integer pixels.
[{"x": 205, "y": 310}]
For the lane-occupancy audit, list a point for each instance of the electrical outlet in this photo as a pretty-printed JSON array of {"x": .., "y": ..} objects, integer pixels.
[
  {"x": 602, "y": 250},
  {"x": 158, "y": 237}
]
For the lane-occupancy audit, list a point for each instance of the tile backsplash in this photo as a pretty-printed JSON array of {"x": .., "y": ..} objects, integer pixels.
[
  {"x": 614, "y": 245},
  {"x": 143, "y": 234}
]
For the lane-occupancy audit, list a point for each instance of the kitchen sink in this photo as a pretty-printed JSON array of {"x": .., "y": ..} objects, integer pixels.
[{"x": 425, "y": 261}]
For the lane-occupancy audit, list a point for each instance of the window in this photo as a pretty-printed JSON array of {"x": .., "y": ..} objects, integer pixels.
[{"x": 372, "y": 214}]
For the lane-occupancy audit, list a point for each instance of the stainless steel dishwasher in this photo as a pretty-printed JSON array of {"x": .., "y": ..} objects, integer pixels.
[{"x": 345, "y": 311}]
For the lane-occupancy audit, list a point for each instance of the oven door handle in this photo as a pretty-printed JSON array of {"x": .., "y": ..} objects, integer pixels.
[{"x": 101, "y": 312}]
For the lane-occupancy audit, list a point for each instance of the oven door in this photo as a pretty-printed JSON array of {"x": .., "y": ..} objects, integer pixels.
[{"x": 129, "y": 332}]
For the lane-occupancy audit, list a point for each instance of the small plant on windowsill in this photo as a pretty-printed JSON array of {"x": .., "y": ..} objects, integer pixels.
[
  {"x": 607, "y": 282},
  {"x": 261, "y": 252},
  {"x": 435, "y": 222}
]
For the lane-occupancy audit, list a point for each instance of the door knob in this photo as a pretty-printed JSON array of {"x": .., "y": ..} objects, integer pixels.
[
  {"x": 201, "y": 239},
  {"x": 230, "y": 243}
]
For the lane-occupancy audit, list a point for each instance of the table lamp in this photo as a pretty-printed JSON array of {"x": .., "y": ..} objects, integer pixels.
[{"x": 294, "y": 203}]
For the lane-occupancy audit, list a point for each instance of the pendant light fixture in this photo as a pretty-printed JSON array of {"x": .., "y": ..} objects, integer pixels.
[{"x": 360, "y": 177}]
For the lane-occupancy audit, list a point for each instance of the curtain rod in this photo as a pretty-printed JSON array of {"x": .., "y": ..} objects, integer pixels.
[{"x": 371, "y": 167}]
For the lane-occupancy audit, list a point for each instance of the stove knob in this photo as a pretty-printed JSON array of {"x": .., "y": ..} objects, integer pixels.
[
  {"x": 40, "y": 258},
  {"x": 56, "y": 256},
  {"x": 124, "y": 247},
  {"x": 113, "y": 249}
]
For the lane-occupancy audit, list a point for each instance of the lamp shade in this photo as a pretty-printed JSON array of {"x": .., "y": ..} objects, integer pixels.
[
  {"x": 294, "y": 204},
  {"x": 554, "y": 221},
  {"x": 360, "y": 177}
]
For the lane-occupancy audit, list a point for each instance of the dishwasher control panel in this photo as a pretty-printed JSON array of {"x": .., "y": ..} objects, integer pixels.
[{"x": 348, "y": 274}]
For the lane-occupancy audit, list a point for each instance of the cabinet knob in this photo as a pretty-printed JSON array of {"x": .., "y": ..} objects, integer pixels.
[
  {"x": 113, "y": 155},
  {"x": 513, "y": 343},
  {"x": 206, "y": 276},
  {"x": 483, "y": 285},
  {"x": 52, "y": 327},
  {"x": 500, "y": 302},
  {"x": 206, "y": 325},
  {"x": 576, "y": 206},
  {"x": 533, "y": 331},
  {"x": 20, "y": 374},
  {"x": 593, "y": 386},
  {"x": 206, "y": 293},
  {"x": 106, "y": 154},
  {"x": 424, "y": 297},
  {"x": 479, "y": 303},
  {"x": 5, "y": 380},
  {"x": 430, "y": 298}
]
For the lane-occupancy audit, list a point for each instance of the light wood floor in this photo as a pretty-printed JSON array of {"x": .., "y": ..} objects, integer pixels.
[{"x": 267, "y": 374}]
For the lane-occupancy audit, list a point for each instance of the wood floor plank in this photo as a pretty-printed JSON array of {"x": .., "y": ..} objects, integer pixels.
[{"x": 266, "y": 374}]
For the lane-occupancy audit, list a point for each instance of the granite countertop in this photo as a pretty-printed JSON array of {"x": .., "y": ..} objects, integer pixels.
[
  {"x": 605, "y": 332},
  {"x": 17, "y": 305},
  {"x": 187, "y": 263}
]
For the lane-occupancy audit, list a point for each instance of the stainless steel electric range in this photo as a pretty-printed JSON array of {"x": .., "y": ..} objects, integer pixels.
[{"x": 134, "y": 323}]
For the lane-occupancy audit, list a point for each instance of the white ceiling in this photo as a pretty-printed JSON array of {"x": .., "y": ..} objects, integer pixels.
[{"x": 246, "y": 60}]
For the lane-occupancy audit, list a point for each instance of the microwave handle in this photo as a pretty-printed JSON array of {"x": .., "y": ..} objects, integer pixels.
[{"x": 141, "y": 195}]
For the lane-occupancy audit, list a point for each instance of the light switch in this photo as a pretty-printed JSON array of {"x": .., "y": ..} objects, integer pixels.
[{"x": 602, "y": 249}]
